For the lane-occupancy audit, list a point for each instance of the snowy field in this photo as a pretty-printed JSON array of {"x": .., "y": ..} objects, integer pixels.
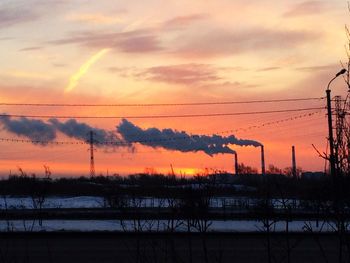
[
  {"x": 143, "y": 225},
  {"x": 158, "y": 225},
  {"x": 52, "y": 202},
  {"x": 99, "y": 202}
]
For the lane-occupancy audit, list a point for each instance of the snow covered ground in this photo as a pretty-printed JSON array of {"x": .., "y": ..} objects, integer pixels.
[
  {"x": 151, "y": 225},
  {"x": 157, "y": 225},
  {"x": 98, "y": 202},
  {"x": 53, "y": 202}
]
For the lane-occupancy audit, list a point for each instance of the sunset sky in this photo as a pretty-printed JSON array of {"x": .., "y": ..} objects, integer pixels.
[{"x": 144, "y": 52}]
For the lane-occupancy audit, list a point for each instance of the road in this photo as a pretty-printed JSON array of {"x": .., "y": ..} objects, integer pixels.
[{"x": 160, "y": 247}]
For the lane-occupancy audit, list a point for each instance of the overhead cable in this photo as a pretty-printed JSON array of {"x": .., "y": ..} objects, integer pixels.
[
  {"x": 160, "y": 116},
  {"x": 159, "y": 104}
]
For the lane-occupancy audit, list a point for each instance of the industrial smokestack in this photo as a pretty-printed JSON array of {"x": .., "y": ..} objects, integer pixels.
[
  {"x": 262, "y": 160},
  {"x": 294, "y": 166},
  {"x": 236, "y": 163}
]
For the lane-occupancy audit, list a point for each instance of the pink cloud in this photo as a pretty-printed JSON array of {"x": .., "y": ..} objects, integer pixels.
[
  {"x": 137, "y": 41},
  {"x": 183, "y": 21},
  {"x": 207, "y": 42},
  {"x": 187, "y": 74},
  {"x": 21, "y": 12},
  {"x": 306, "y": 8},
  {"x": 224, "y": 42},
  {"x": 329, "y": 67},
  {"x": 199, "y": 75},
  {"x": 31, "y": 48}
]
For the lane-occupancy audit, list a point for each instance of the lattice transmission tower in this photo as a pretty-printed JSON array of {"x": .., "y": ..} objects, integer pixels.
[
  {"x": 92, "y": 159},
  {"x": 342, "y": 138}
]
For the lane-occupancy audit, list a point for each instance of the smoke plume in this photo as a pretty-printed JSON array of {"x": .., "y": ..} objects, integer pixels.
[
  {"x": 44, "y": 132},
  {"x": 35, "y": 130},
  {"x": 179, "y": 140},
  {"x": 80, "y": 131}
]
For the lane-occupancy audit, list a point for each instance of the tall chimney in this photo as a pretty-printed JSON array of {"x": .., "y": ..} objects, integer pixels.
[
  {"x": 294, "y": 166},
  {"x": 262, "y": 160},
  {"x": 236, "y": 164}
]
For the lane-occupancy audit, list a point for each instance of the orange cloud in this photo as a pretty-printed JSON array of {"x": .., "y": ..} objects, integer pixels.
[{"x": 306, "y": 8}]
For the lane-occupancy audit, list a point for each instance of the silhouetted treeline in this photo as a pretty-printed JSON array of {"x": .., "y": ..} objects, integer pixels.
[{"x": 159, "y": 185}]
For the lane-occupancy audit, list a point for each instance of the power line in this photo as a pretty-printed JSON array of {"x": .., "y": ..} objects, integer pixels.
[
  {"x": 159, "y": 104},
  {"x": 270, "y": 123},
  {"x": 160, "y": 116},
  {"x": 119, "y": 143},
  {"x": 42, "y": 142}
]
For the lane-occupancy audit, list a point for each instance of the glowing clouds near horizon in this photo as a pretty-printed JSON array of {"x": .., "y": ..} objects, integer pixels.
[{"x": 74, "y": 79}]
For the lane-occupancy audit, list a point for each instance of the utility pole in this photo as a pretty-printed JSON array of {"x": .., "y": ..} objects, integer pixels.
[
  {"x": 92, "y": 160},
  {"x": 330, "y": 133}
]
